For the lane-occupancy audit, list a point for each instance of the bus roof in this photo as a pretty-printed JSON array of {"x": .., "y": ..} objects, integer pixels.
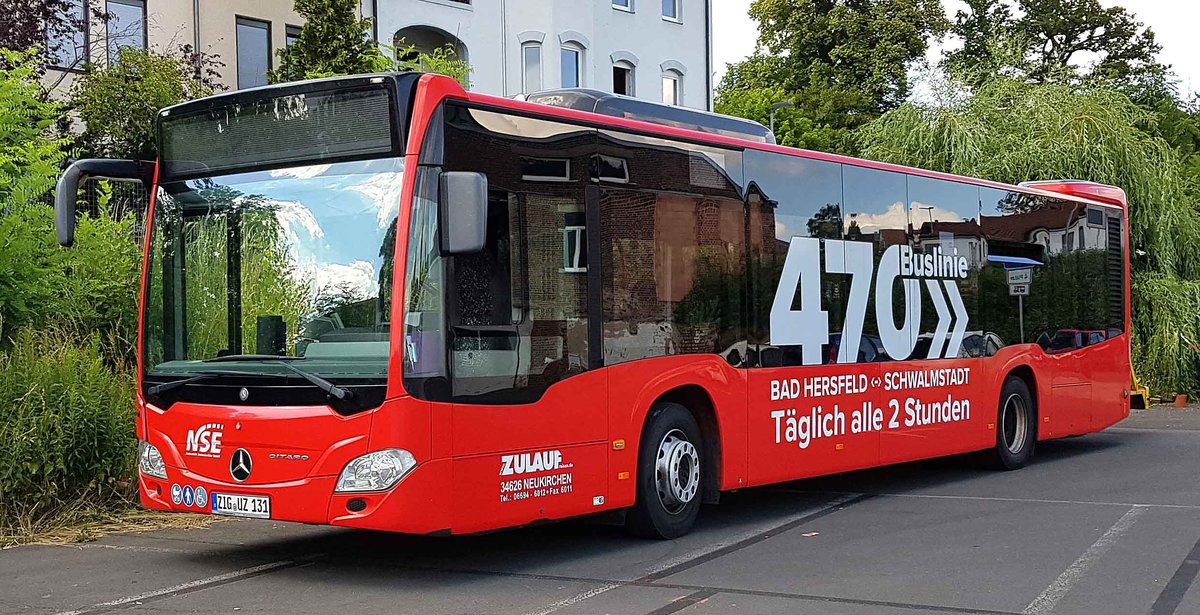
[{"x": 1076, "y": 190}]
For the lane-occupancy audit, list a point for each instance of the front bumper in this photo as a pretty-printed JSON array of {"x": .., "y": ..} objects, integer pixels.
[{"x": 418, "y": 504}]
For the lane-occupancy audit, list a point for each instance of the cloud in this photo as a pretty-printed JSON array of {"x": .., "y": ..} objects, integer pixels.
[
  {"x": 305, "y": 172},
  {"x": 382, "y": 191},
  {"x": 358, "y": 280}
]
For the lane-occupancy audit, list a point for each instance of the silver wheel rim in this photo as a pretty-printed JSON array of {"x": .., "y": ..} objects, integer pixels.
[
  {"x": 676, "y": 472},
  {"x": 1014, "y": 423}
]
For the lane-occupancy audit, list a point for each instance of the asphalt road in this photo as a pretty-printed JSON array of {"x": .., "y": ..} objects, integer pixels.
[{"x": 1107, "y": 523}]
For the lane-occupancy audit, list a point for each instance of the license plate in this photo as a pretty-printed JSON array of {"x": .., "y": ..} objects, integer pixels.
[{"x": 241, "y": 505}]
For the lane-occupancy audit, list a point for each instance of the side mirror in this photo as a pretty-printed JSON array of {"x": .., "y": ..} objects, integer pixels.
[
  {"x": 67, "y": 191},
  {"x": 462, "y": 209}
]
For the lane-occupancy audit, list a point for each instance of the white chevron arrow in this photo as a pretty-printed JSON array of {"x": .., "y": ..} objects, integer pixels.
[
  {"x": 943, "y": 324},
  {"x": 960, "y": 319}
]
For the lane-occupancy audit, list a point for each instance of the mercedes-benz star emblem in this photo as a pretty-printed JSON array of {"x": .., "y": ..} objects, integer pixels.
[
  {"x": 240, "y": 465},
  {"x": 244, "y": 394}
]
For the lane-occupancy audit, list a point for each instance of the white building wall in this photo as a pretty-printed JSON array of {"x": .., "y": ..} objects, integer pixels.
[{"x": 493, "y": 32}]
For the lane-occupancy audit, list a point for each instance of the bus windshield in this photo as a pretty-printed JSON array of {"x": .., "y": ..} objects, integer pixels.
[{"x": 252, "y": 267}]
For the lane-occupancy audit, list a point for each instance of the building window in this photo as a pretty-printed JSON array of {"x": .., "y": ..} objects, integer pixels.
[
  {"x": 611, "y": 168},
  {"x": 290, "y": 35},
  {"x": 571, "y": 62},
  {"x": 531, "y": 57},
  {"x": 253, "y": 52},
  {"x": 1081, "y": 240},
  {"x": 574, "y": 243},
  {"x": 546, "y": 169},
  {"x": 670, "y": 9},
  {"x": 367, "y": 10},
  {"x": 624, "y": 5},
  {"x": 126, "y": 26},
  {"x": 671, "y": 87},
  {"x": 623, "y": 78},
  {"x": 67, "y": 38}
]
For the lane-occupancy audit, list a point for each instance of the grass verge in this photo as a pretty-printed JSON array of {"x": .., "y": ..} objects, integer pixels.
[{"x": 85, "y": 522}]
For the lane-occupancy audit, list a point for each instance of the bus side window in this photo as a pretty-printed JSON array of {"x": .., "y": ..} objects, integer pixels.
[
  {"x": 672, "y": 244},
  {"x": 519, "y": 317}
]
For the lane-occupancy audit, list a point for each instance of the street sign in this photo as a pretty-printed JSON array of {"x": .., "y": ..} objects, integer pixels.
[
  {"x": 1018, "y": 290},
  {"x": 1020, "y": 276}
]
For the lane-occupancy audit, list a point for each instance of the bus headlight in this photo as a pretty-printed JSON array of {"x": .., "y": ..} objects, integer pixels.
[
  {"x": 376, "y": 471},
  {"x": 150, "y": 461}
]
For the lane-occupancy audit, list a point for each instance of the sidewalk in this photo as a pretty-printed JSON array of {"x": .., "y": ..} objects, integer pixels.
[{"x": 1164, "y": 416}]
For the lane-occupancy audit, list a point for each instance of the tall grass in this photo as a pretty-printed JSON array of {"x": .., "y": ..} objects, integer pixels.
[{"x": 66, "y": 425}]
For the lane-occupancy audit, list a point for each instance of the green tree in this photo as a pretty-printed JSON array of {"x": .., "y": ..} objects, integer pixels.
[
  {"x": 333, "y": 41},
  {"x": 29, "y": 152},
  {"x": 442, "y": 61},
  {"x": 1014, "y": 131},
  {"x": 792, "y": 127},
  {"x": 842, "y": 62},
  {"x": 118, "y": 104},
  {"x": 1048, "y": 41}
]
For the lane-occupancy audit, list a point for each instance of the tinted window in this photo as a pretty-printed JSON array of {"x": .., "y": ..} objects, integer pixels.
[
  {"x": 791, "y": 197},
  {"x": 876, "y": 206},
  {"x": 945, "y": 220},
  {"x": 672, "y": 249},
  {"x": 518, "y": 309},
  {"x": 1076, "y": 271}
]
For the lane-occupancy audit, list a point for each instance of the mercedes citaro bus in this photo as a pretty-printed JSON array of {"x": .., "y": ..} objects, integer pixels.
[{"x": 381, "y": 301}]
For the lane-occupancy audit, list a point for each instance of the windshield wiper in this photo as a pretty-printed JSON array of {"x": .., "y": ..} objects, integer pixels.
[
  {"x": 341, "y": 393},
  {"x": 175, "y": 384}
]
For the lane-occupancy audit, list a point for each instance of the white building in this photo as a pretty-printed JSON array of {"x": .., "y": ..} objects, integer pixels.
[{"x": 659, "y": 50}]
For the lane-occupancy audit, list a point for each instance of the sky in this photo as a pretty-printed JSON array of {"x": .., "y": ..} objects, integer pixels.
[{"x": 1173, "y": 21}]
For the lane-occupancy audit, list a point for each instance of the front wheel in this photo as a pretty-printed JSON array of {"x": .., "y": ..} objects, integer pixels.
[
  {"x": 669, "y": 474},
  {"x": 1016, "y": 427}
]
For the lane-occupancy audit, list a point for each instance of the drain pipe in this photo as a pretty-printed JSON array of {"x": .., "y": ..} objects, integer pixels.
[
  {"x": 196, "y": 35},
  {"x": 708, "y": 53},
  {"x": 504, "y": 47}
]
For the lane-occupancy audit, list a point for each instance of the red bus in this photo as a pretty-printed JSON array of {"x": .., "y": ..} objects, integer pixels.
[{"x": 384, "y": 302}]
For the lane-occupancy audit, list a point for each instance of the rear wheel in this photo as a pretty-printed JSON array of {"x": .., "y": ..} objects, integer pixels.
[
  {"x": 669, "y": 474},
  {"x": 1016, "y": 427}
]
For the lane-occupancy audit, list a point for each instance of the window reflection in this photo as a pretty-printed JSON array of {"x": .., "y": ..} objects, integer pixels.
[{"x": 673, "y": 247}]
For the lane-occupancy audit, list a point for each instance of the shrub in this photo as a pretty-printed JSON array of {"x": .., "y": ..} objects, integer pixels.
[
  {"x": 66, "y": 424},
  {"x": 91, "y": 287}
]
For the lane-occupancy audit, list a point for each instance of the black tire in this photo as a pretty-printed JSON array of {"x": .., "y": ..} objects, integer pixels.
[
  {"x": 1016, "y": 427},
  {"x": 656, "y": 515}
]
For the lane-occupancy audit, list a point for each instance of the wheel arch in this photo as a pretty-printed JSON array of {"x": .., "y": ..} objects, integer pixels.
[
  {"x": 1025, "y": 372},
  {"x": 700, "y": 404}
]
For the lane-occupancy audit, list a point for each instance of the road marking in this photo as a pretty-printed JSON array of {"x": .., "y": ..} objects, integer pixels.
[
  {"x": 683, "y": 602},
  {"x": 709, "y": 552},
  {"x": 580, "y": 597},
  {"x": 1049, "y": 598},
  {"x": 982, "y": 498},
  {"x": 95, "y": 545},
  {"x": 190, "y": 586},
  {"x": 1179, "y": 584}
]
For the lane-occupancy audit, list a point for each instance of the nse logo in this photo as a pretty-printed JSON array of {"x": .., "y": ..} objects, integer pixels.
[
  {"x": 204, "y": 441},
  {"x": 524, "y": 463}
]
